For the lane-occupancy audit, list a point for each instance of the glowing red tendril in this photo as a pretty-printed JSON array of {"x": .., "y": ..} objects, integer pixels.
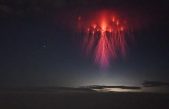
[{"x": 105, "y": 37}]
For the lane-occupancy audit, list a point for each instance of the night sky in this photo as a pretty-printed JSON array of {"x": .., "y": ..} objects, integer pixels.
[{"x": 39, "y": 46}]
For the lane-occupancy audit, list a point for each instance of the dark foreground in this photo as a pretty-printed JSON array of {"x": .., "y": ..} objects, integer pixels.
[{"x": 82, "y": 100}]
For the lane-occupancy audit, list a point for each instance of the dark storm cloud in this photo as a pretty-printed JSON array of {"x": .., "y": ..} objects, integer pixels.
[
  {"x": 45, "y": 7},
  {"x": 121, "y": 87},
  {"x": 28, "y": 7},
  {"x": 35, "y": 7},
  {"x": 155, "y": 84}
]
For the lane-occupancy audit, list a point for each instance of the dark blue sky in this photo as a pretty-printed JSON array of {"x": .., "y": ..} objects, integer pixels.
[{"x": 38, "y": 50}]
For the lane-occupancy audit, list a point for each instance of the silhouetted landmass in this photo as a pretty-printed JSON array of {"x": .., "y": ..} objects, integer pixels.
[
  {"x": 79, "y": 98},
  {"x": 46, "y": 89}
]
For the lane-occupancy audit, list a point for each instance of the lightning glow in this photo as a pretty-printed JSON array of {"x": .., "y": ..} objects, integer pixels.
[{"x": 105, "y": 37}]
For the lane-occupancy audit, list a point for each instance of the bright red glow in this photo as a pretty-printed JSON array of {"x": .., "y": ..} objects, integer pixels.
[{"x": 105, "y": 37}]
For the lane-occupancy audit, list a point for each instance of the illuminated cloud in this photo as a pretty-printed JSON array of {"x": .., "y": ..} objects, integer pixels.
[{"x": 115, "y": 88}]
